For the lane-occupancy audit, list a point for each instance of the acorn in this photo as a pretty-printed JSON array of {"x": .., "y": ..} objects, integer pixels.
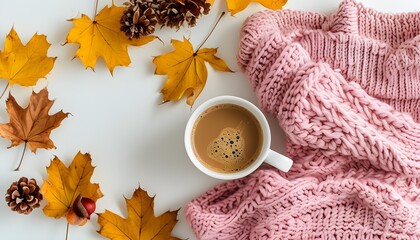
[{"x": 81, "y": 211}]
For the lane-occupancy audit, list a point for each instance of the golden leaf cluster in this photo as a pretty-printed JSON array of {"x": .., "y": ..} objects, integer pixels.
[{"x": 101, "y": 37}]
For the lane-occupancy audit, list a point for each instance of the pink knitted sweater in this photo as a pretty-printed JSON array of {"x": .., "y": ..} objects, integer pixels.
[
  {"x": 357, "y": 160},
  {"x": 379, "y": 51}
]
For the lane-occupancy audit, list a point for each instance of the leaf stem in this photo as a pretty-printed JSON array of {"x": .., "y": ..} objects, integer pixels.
[
  {"x": 21, "y": 158},
  {"x": 96, "y": 9},
  {"x": 67, "y": 231},
  {"x": 4, "y": 90},
  {"x": 208, "y": 35}
]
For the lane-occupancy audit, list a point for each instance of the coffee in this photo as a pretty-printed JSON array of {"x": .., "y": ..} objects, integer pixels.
[{"x": 227, "y": 138}]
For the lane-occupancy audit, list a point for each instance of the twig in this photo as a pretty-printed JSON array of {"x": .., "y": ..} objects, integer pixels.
[
  {"x": 21, "y": 158},
  {"x": 208, "y": 35},
  {"x": 96, "y": 9},
  {"x": 4, "y": 90},
  {"x": 67, "y": 231}
]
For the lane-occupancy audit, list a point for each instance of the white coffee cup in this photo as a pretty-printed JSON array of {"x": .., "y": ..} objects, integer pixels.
[{"x": 266, "y": 154}]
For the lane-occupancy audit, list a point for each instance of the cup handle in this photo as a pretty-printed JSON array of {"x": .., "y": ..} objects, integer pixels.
[{"x": 279, "y": 161}]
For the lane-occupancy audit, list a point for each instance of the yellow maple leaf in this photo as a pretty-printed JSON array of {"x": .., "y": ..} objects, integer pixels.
[
  {"x": 186, "y": 70},
  {"x": 25, "y": 64},
  {"x": 235, "y": 6},
  {"x": 102, "y": 38},
  {"x": 64, "y": 184},
  {"x": 141, "y": 223}
]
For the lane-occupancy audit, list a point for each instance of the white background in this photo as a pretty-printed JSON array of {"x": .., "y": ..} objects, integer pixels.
[{"x": 133, "y": 140}]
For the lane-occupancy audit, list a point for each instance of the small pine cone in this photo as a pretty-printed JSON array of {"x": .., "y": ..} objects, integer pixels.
[
  {"x": 139, "y": 19},
  {"x": 173, "y": 13},
  {"x": 23, "y": 196}
]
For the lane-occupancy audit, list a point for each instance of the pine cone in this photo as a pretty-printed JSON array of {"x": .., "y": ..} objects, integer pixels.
[
  {"x": 139, "y": 19},
  {"x": 23, "y": 196},
  {"x": 173, "y": 13}
]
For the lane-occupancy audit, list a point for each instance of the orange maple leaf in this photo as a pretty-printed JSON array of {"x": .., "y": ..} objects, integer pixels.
[
  {"x": 235, "y": 6},
  {"x": 25, "y": 64},
  {"x": 102, "y": 38},
  {"x": 141, "y": 223},
  {"x": 31, "y": 125},
  {"x": 186, "y": 70},
  {"x": 65, "y": 184}
]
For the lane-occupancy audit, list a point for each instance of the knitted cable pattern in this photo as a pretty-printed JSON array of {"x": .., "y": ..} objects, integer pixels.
[
  {"x": 266, "y": 206},
  {"x": 355, "y": 18},
  {"x": 357, "y": 160},
  {"x": 381, "y": 56}
]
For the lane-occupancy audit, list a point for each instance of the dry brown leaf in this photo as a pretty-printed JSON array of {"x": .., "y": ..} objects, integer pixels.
[
  {"x": 102, "y": 38},
  {"x": 186, "y": 70},
  {"x": 141, "y": 223},
  {"x": 31, "y": 125}
]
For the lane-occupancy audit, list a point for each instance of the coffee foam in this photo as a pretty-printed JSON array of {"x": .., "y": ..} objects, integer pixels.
[{"x": 228, "y": 147}]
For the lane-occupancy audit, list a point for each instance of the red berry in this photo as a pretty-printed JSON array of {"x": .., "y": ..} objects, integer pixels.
[
  {"x": 84, "y": 207},
  {"x": 89, "y": 205}
]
